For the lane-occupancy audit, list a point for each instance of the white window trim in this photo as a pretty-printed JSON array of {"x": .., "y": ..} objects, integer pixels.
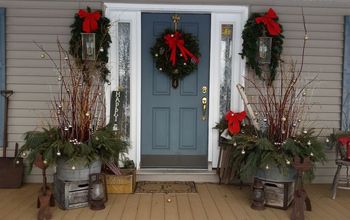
[{"x": 235, "y": 15}]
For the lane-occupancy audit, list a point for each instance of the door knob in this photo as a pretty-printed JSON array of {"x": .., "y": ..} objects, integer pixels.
[{"x": 204, "y": 108}]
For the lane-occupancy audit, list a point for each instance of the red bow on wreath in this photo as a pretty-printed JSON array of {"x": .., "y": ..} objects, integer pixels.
[
  {"x": 272, "y": 26},
  {"x": 90, "y": 20},
  {"x": 234, "y": 121},
  {"x": 176, "y": 41}
]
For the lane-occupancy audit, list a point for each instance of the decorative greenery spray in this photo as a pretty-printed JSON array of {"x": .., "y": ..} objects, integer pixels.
[{"x": 255, "y": 28}]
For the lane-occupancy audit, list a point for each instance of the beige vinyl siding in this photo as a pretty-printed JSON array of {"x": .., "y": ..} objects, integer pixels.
[{"x": 35, "y": 83}]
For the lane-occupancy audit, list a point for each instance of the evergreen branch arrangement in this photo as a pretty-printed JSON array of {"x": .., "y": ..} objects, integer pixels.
[
  {"x": 280, "y": 111},
  {"x": 77, "y": 133},
  {"x": 103, "y": 41},
  {"x": 162, "y": 53},
  {"x": 250, "y": 35}
]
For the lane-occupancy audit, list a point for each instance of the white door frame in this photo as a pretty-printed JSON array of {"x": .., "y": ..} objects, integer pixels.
[{"x": 235, "y": 15}]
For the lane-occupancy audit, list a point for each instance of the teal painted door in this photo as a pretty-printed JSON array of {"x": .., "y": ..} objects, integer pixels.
[{"x": 173, "y": 132}]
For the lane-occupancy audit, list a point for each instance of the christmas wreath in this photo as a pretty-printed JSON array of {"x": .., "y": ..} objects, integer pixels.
[
  {"x": 176, "y": 53},
  {"x": 258, "y": 26},
  {"x": 91, "y": 22}
]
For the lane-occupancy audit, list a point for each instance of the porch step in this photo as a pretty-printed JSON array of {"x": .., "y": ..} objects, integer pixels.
[{"x": 196, "y": 175}]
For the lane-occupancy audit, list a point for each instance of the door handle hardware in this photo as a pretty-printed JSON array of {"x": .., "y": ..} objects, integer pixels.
[{"x": 204, "y": 108}]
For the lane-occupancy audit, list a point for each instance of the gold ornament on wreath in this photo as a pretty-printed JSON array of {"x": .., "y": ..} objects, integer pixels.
[{"x": 176, "y": 53}]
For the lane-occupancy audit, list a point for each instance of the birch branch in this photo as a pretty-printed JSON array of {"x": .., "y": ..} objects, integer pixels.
[{"x": 249, "y": 107}]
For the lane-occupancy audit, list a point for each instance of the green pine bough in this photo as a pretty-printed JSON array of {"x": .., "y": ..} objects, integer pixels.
[
  {"x": 161, "y": 55},
  {"x": 250, "y": 35},
  {"x": 102, "y": 39}
]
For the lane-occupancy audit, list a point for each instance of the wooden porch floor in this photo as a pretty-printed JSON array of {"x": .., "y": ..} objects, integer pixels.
[{"x": 211, "y": 202}]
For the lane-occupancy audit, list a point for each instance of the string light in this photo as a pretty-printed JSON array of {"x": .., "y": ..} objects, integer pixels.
[
  {"x": 309, "y": 143},
  {"x": 287, "y": 162},
  {"x": 73, "y": 167},
  {"x": 17, "y": 161},
  {"x": 58, "y": 153},
  {"x": 267, "y": 167},
  {"x": 101, "y": 49},
  {"x": 311, "y": 154},
  {"x": 327, "y": 140},
  {"x": 235, "y": 144},
  {"x": 42, "y": 56},
  {"x": 283, "y": 119},
  {"x": 305, "y": 131},
  {"x": 243, "y": 151}
]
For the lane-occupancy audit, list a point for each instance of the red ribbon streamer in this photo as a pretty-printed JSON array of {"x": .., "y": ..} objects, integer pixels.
[
  {"x": 175, "y": 41},
  {"x": 346, "y": 142},
  {"x": 234, "y": 121},
  {"x": 90, "y": 20},
  {"x": 272, "y": 26}
]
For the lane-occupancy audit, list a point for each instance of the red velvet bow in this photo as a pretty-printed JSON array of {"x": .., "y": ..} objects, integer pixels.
[
  {"x": 90, "y": 20},
  {"x": 234, "y": 121},
  {"x": 346, "y": 142},
  {"x": 175, "y": 41},
  {"x": 272, "y": 26}
]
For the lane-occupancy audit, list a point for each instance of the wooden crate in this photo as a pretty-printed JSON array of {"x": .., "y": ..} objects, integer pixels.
[
  {"x": 278, "y": 194},
  {"x": 71, "y": 194},
  {"x": 122, "y": 184}
]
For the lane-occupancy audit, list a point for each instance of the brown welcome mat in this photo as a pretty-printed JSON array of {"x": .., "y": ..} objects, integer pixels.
[{"x": 165, "y": 187}]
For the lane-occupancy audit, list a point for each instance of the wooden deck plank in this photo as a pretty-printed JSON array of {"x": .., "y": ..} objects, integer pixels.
[
  {"x": 102, "y": 214},
  {"x": 184, "y": 206},
  {"x": 235, "y": 205},
  {"x": 324, "y": 204},
  {"x": 221, "y": 204},
  {"x": 21, "y": 199},
  {"x": 117, "y": 207},
  {"x": 157, "y": 210},
  {"x": 208, "y": 203},
  {"x": 145, "y": 206},
  {"x": 242, "y": 197},
  {"x": 131, "y": 205},
  {"x": 198, "y": 211},
  {"x": 86, "y": 214},
  {"x": 25, "y": 212},
  {"x": 170, "y": 207},
  {"x": 212, "y": 202}
]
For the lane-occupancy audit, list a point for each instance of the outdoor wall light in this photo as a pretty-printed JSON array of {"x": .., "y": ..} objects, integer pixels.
[
  {"x": 88, "y": 46},
  {"x": 264, "y": 53}
]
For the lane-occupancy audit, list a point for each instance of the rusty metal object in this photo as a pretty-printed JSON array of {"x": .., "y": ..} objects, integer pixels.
[
  {"x": 11, "y": 171},
  {"x": 301, "y": 199}
]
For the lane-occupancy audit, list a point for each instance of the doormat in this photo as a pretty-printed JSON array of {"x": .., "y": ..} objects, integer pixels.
[{"x": 165, "y": 187}]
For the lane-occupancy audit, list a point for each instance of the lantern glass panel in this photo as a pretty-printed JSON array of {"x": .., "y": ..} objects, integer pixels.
[
  {"x": 97, "y": 192},
  {"x": 264, "y": 53},
  {"x": 88, "y": 46},
  {"x": 226, "y": 47}
]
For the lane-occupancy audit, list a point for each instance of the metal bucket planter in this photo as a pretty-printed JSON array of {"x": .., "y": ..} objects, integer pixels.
[
  {"x": 80, "y": 172},
  {"x": 276, "y": 174}
]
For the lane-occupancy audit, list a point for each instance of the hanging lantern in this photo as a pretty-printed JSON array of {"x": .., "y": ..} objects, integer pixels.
[
  {"x": 258, "y": 195},
  {"x": 97, "y": 194},
  {"x": 264, "y": 53},
  {"x": 88, "y": 51}
]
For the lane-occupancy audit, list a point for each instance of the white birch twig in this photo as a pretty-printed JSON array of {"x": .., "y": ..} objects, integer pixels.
[{"x": 249, "y": 107}]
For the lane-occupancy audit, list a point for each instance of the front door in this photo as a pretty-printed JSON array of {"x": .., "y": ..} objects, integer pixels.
[{"x": 174, "y": 133}]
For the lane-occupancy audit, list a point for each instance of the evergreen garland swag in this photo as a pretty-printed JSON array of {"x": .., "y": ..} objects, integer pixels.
[
  {"x": 251, "y": 33},
  {"x": 102, "y": 39},
  {"x": 185, "y": 63}
]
